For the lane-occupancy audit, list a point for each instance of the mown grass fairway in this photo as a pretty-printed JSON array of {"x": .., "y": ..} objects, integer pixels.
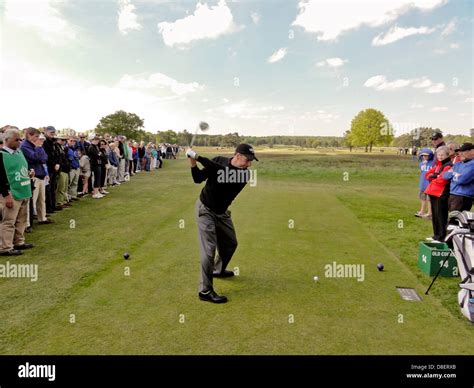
[{"x": 155, "y": 310}]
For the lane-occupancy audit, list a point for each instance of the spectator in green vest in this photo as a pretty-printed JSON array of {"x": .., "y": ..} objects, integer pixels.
[{"x": 15, "y": 193}]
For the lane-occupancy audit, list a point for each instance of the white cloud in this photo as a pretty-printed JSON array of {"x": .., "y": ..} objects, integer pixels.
[
  {"x": 380, "y": 82},
  {"x": 332, "y": 62},
  {"x": 255, "y": 17},
  {"x": 439, "y": 109},
  {"x": 449, "y": 29},
  {"x": 454, "y": 46},
  {"x": 469, "y": 99},
  {"x": 398, "y": 33},
  {"x": 206, "y": 23},
  {"x": 329, "y": 19},
  {"x": 127, "y": 18},
  {"x": 417, "y": 106},
  {"x": 42, "y": 17},
  {"x": 277, "y": 55},
  {"x": 422, "y": 83},
  {"x": 436, "y": 88},
  {"x": 158, "y": 80},
  {"x": 52, "y": 98}
]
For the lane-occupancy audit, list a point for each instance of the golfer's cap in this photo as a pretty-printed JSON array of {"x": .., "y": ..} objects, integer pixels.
[
  {"x": 93, "y": 136},
  {"x": 247, "y": 151},
  {"x": 465, "y": 147},
  {"x": 50, "y": 129},
  {"x": 436, "y": 136}
]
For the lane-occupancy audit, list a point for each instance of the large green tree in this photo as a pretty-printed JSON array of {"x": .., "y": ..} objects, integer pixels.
[
  {"x": 168, "y": 136},
  {"x": 231, "y": 140},
  {"x": 370, "y": 127},
  {"x": 348, "y": 141},
  {"x": 121, "y": 123}
]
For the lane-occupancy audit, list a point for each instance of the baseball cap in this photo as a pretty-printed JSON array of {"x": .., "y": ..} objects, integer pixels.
[
  {"x": 247, "y": 151},
  {"x": 465, "y": 147},
  {"x": 50, "y": 129},
  {"x": 436, "y": 135}
]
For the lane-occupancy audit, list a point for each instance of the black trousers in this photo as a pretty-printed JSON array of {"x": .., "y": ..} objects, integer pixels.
[
  {"x": 460, "y": 203},
  {"x": 30, "y": 204},
  {"x": 103, "y": 175},
  {"x": 97, "y": 175},
  {"x": 51, "y": 192},
  {"x": 439, "y": 210}
]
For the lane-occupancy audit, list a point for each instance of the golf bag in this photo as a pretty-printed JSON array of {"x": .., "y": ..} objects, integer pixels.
[{"x": 461, "y": 240}]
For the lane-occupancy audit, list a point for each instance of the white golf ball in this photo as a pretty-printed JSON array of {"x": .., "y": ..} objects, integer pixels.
[{"x": 316, "y": 278}]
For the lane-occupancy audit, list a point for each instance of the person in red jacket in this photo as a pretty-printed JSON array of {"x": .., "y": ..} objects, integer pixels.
[{"x": 438, "y": 190}]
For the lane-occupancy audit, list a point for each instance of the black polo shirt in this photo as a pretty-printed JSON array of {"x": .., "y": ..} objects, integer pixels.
[{"x": 224, "y": 182}]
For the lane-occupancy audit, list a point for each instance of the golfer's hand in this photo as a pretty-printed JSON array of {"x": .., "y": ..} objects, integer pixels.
[{"x": 191, "y": 154}]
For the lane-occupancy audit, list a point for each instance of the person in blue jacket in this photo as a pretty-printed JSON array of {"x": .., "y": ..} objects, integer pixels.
[
  {"x": 75, "y": 171},
  {"x": 37, "y": 158},
  {"x": 426, "y": 157},
  {"x": 461, "y": 193}
]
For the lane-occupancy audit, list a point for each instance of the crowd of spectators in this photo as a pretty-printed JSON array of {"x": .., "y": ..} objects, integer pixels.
[{"x": 43, "y": 171}]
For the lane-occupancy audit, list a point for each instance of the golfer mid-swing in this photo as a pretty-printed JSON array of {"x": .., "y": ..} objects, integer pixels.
[{"x": 226, "y": 177}]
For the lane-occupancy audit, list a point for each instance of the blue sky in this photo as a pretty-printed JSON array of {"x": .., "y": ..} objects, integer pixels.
[{"x": 255, "y": 67}]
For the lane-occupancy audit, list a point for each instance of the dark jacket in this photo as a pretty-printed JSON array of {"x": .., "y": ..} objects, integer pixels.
[
  {"x": 83, "y": 146},
  {"x": 113, "y": 159},
  {"x": 94, "y": 156},
  {"x": 65, "y": 165},
  {"x": 72, "y": 157},
  {"x": 4, "y": 184},
  {"x": 52, "y": 152},
  {"x": 103, "y": 157},
  {"x": 35, "y": 156}
]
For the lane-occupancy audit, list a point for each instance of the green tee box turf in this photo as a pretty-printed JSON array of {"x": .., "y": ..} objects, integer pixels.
[{"x": 431, "y": 256}]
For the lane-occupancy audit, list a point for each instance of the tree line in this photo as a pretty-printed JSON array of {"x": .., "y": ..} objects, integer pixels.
[{"x": 369, "y": 128}]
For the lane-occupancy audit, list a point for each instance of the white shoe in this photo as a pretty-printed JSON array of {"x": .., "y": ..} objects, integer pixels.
[
  {"x": 104, "y": 192},
  {"x": 97, "y": 196}
]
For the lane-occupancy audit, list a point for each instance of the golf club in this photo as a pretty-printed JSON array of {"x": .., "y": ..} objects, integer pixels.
[{"x": 203, "y": 126}]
